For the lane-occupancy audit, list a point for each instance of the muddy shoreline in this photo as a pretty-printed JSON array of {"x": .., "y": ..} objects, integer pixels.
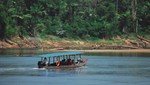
[{"x": 49, "y": 50}]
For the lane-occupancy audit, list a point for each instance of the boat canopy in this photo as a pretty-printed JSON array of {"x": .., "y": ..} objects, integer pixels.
[{"x": 60, "y": 54}]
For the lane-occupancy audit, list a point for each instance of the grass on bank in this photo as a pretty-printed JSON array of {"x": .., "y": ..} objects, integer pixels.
[{"x": 118, "y": 40}]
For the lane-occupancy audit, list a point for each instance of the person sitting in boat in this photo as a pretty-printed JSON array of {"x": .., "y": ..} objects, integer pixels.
[
  {"x": 45, "y": 61},
  {"x": 57, "y": 63},
  {"x": 69, "y": 61},
  {"x": 63, "y": 60},
  {"x": 79, "y": 60},
  {"x": 73, "y": 63}
]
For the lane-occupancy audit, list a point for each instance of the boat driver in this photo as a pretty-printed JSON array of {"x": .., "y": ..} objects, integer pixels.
[{"x": 45, "y": 61}]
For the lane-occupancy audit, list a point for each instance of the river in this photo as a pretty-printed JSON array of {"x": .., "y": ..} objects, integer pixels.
[{"x": 101, "y": 69}]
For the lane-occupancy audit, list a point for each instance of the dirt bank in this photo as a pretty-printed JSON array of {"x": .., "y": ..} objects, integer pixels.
[{"x": 64, "y": 44}]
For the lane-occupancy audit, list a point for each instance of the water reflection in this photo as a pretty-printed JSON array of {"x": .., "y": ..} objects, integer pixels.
[
  {"x": 40, "y": 72},
  {"x": 120, "y": 54},
  {"x": 35, "y": 51},
  {"x": 61, "y": 72},
  {"x": 19, "y": 52}
]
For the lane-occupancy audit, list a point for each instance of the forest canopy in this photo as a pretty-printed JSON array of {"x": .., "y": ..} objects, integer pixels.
[{"x": 73, "y": 18}]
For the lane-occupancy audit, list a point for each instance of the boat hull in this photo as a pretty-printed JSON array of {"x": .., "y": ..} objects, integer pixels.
[{"x": 66, "y": 66}]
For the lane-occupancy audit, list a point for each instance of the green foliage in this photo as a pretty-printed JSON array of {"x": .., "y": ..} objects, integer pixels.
[
  {"x": 53, "y": 38},
  {"x": 78, "y": 19},
  {"x": 11, "y": 31}
]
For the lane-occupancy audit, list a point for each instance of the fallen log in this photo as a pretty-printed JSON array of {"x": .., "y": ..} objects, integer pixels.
[
  {"x": 132, "y": 43},
  {"x": 141, "y": 38},
  {"x": 117, "y": 47},
  {"x": 131, "y": 47}
]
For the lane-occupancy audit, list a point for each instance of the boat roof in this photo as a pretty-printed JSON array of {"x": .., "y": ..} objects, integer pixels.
[{"x": 60, "y": 54}]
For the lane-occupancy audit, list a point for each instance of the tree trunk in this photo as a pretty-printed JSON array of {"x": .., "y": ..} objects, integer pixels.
[
  {"x": 2, "y": 29},
  {"x": 134, "y": 15},
  {"x": 117, "y": 22},
  {"x": 2, "y": 20},
  {"x": 117, "y": 6},
  {"x": 136, "y": 22}
]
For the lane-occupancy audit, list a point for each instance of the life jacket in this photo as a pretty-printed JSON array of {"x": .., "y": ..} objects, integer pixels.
[{"x": 57, "y": 63}]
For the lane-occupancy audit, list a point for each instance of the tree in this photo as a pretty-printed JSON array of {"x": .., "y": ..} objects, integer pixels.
[
  {"x": 75, "y": 18},
  {"x": 144, "y": 16},
  {"x": 134, "y": 15},
  {"x": 2, "y": 28}
]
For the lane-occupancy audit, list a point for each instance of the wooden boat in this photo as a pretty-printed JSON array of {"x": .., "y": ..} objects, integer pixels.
[{"x": 62, "y": 60}]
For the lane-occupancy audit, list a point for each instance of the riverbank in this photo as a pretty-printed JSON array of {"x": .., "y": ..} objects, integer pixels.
[
  {"x": 29, "y": 52},
  {"x": 53, "y": 42}
]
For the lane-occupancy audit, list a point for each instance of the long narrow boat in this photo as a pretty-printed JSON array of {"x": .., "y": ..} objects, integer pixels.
[{"x": 62, "y": 60}]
